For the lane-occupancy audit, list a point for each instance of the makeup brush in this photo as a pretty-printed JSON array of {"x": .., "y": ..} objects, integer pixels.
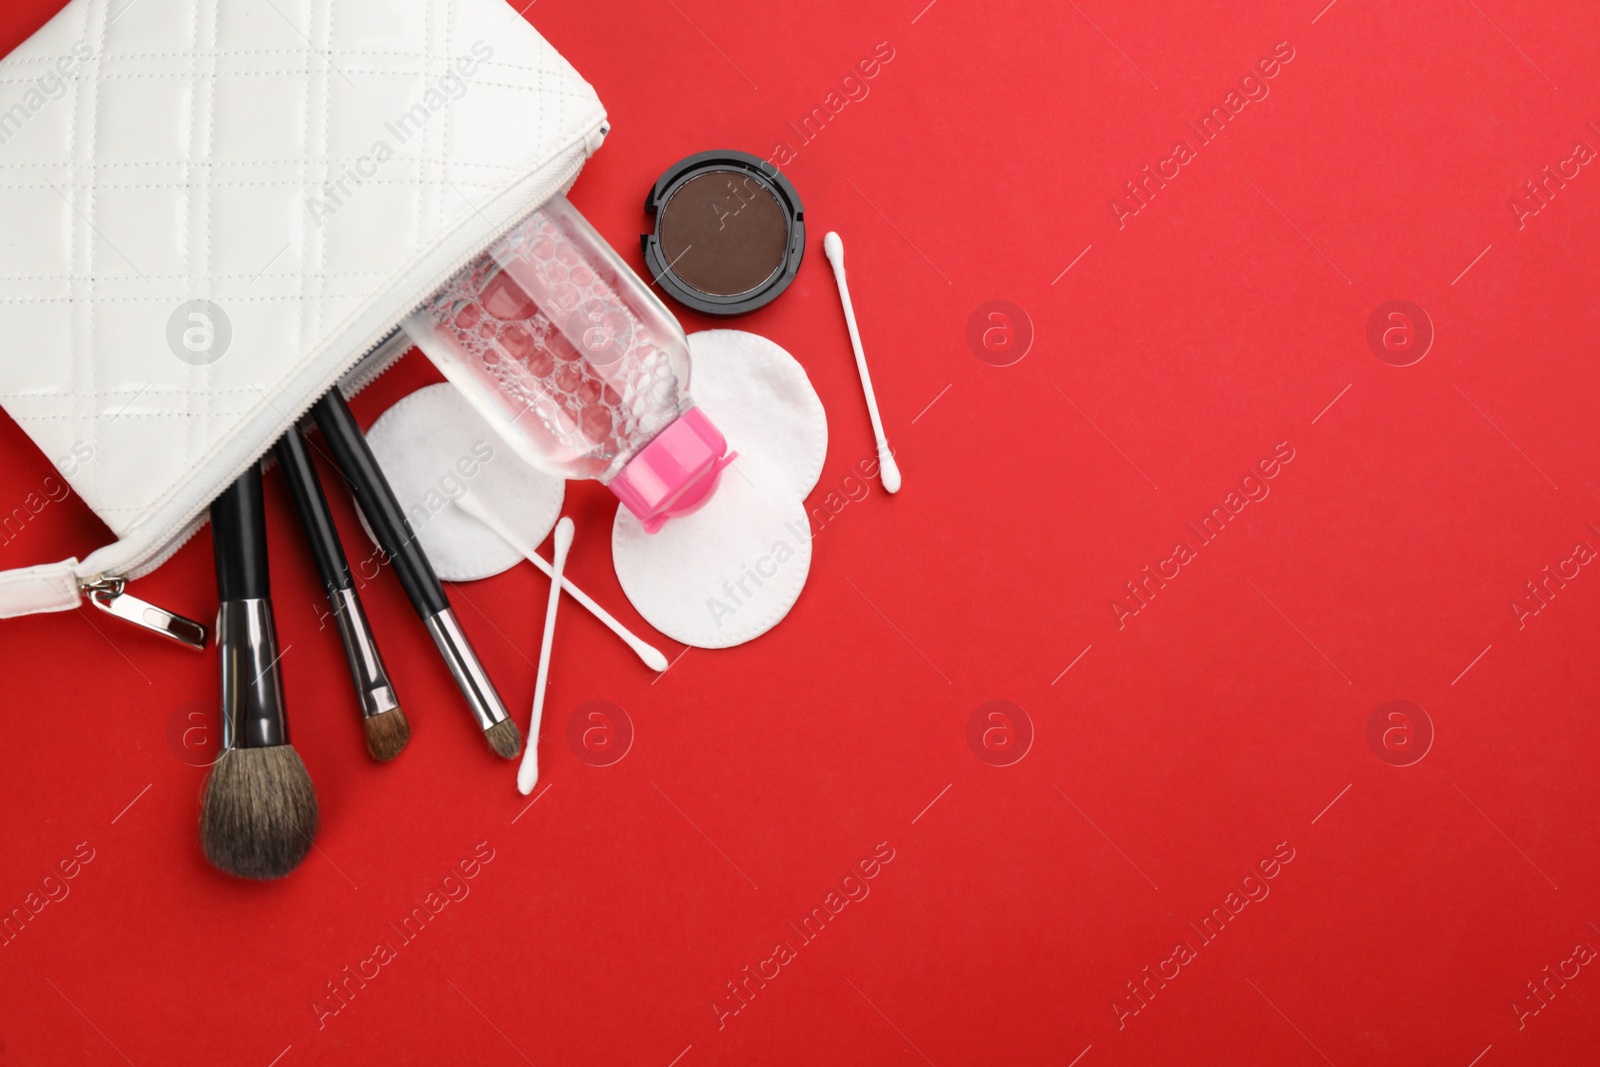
[
  {"x": 833, "y": 247},
  {"x": 528, "y": 773},
  {"x": 385, "y": 724},
  {"x": 647, "y": 652},
  {"x": 427, "y": 596},
  {"x": 259, "y": 813}
]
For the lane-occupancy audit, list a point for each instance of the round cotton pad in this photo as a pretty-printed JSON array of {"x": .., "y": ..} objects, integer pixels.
[
  {"x": 724, "y": 574},
  {"x": 434, "y": 447},
  {"x": 760, "y": 398}
]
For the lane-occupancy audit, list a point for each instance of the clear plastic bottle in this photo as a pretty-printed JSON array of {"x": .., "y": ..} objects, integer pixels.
[{"x": 576, "y": 364}]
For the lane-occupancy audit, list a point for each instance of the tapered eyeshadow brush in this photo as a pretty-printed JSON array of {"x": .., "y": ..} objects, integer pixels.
[
  {"x": 259, "y": 812},
  {"x": 385, "y": 724},
  {"x": 388, "y": 521}
]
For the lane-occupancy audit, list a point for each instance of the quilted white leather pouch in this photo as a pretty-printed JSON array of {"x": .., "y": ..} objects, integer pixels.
[{"x": 211, "y": 211}]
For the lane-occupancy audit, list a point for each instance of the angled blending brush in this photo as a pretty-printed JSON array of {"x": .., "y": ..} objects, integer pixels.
[
  {"x": 388, "y": 521},
  {"x": 259, "y": 813},
  {"x": 385, "y": 724}
]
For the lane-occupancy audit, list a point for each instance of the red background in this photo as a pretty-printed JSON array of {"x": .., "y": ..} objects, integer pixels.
[{"x": 1177, "y": 752}]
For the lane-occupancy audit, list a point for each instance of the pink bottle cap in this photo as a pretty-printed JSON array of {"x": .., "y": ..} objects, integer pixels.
[{"x": 676, "y": 472}]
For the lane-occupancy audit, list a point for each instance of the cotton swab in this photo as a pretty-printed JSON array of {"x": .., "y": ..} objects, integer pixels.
[
  {"x": 834, "y": 248},
  {"x": 528, "y": 773},
  {"x": 651, "y": 655}
]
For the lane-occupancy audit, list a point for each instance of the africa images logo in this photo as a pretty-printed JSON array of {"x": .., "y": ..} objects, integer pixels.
[
  {"x": 42, "y": 91},
  {"x": 440, "y": 93}
]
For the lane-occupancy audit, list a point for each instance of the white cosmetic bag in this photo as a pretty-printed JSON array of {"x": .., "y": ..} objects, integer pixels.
[{"x": 211, "y": 211}]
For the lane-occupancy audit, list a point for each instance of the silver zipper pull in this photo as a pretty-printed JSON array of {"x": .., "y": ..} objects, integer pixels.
[{"x": 110, "y": 596}]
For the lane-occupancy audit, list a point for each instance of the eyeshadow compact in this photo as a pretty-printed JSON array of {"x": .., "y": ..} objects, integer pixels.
[{"x": 730, "y": 232}]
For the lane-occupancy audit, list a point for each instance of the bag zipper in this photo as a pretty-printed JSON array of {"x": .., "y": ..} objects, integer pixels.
[
  {"x": 111, "y": 597},
  {"x": 107, "y": 591}
]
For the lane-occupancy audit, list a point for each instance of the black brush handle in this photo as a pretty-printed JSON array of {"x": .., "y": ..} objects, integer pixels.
[
  {"x": 350, "y": 450},
  {"x": 294, "y": 458},
  {"x": 247, "y": 641},
  {"x": 239, "y": 539},
  {"x": 361, "y": 653}
]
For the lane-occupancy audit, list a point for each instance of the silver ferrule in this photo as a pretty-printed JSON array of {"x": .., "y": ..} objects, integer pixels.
[
  {"x": 252, "y": 698},
  {"x": 467, "y": 671},
  {"x": 361, "y": 654}
]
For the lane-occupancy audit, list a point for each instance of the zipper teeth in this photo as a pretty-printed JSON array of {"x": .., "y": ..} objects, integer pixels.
[
  {"x": 174, "y": 544},
  {"x": 170, "y": 544}
]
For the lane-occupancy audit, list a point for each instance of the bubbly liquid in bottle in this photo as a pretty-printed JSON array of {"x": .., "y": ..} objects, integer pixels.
[{"x": 554, "y": 338}]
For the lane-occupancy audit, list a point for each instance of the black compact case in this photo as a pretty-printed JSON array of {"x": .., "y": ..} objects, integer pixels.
[{"x": 729, "y": 232}]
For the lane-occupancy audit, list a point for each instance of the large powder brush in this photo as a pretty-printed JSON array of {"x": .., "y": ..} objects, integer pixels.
[{"x": 258, "y": 816}]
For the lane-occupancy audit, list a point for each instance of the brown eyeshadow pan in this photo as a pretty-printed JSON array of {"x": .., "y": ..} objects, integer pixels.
[
  {"x": 723, "y": 232},
  {"x": 729, "y": 234}
]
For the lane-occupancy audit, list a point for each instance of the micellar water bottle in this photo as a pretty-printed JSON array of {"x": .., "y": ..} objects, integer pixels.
[{"x": 576, "y": 364}]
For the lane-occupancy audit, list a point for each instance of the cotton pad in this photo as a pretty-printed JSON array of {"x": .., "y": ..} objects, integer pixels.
[
  {"x": 718, "y": 577},
  {"x": 728, "y": 572},
  {"x": 731, "y": 571},
  {"x": 434, "y": 447},
  {"x": 762, "y": 401}
]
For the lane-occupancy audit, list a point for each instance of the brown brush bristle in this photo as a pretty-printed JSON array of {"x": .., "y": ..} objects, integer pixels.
[
  {"x": 387, "y": 734},
  {"x": 505, "y": 739},
  {"x": 259, "y": 812}
]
